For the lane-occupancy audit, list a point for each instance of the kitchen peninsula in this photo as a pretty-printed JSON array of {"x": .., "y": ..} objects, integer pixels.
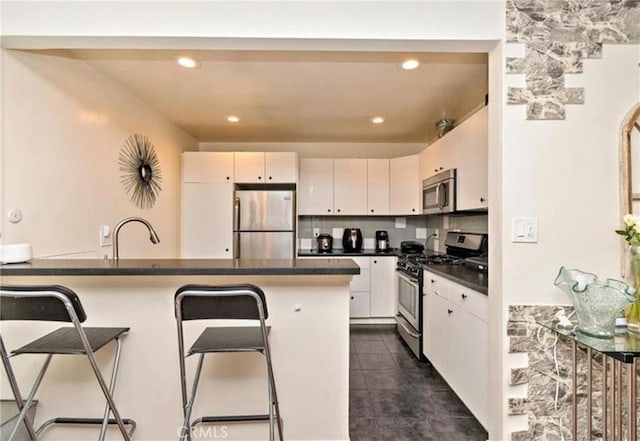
[{"x": 308, "y": 304}]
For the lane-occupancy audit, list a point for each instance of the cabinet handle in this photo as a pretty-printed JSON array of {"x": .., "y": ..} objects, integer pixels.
[
  {"x": 226, "y": 250},
  {"x": 372, "y": 210},
  {"x": 440, "y": 168},
  {"x": 435, "y": 169},
  {"x": 328, "y": 210},
  {"x": 432, "y": 281},
  {"x": 375, "y": 261},
  {"x": 449, "y": 311},
  {"x": 338, "y": 210},
  {"x": 352, "y": 297},
  {"x": 259, "y": 177},
  {"x": 228, "y": 178},
  {"x": 464, "y": 296},
  {"x": 270, "y": 178},
  {"x": 413, "y": 209}
]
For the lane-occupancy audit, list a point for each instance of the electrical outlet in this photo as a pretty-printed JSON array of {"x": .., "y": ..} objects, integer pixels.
[{"x": 316, "y": 232}]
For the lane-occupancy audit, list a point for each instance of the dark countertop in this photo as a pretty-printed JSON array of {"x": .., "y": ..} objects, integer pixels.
[
  {"x": 181, "y": 267},
  {"x": 341, "y": 253},
  {"x": 462, "y": 275}
]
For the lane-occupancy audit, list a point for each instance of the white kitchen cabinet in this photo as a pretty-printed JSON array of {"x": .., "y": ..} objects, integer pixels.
[
  {"x": 456, "y": 340},
  {"x": 214, "y": 167},
  {"x": 350, "y": 186},
  {"x": 281, "y": 167},
  {"x": 404, "y": 189},
  {"x": 472, "y": 162},
  {"x": 441, "y": 155},
  {"x": 315, "y": 187},
  {"x": 383, "y": 292},
  {"x": 377, "y": 186},
  {"x": 359, "y": 289},
  {"x": 207, "y": 220},
  {"x": 265, "y": 167}
]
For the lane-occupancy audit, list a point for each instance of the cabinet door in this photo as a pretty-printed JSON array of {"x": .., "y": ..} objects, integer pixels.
[
  {"x": 383, "y": 297},
  {"x": 404, "y": 194},
  {"x": 350, "y": 186},
  {"x": 359, "y": 304},
  {"x": 281, "y": 167},
  {"x": 435, "y": 344},
  {"x": 315, "y": 189},
  {"x": 207, "y": 167},
  {"x": 472, "y": 162},
  {"x": 468, "y": 373},
  {"x": 207, "y": 214},
  {"x": 377, "y": 186},
  {"x": 249, "y": 167}
]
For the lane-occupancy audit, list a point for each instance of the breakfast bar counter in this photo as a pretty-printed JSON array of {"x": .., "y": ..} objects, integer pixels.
[{"x": 308, "y": 305}]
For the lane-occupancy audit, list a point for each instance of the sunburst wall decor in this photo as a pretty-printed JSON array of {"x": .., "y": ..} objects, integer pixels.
[{"x": 140, "y": 167}]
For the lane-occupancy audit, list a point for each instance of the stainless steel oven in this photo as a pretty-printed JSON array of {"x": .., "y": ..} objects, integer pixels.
[
  {"x": 409, "y": 322},
  {"x": 439, "y": 193}
]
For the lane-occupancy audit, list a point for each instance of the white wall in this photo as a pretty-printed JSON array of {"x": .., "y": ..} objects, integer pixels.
[
  {"x": 321, "y": 149},
  {"x": 64, "y": 125}
]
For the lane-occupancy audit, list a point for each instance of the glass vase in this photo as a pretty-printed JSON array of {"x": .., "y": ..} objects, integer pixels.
[{"x": 632, "y": 312}]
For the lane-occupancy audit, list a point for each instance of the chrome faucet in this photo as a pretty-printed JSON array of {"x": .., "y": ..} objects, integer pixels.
[
  {"x": 153, "y": 236},
  {"x": 426, "y": 242}
]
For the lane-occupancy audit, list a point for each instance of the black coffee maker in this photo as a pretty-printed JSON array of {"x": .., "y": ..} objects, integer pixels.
[
  {"x": 352, "y": 240},
  {"x": 382, "y": 241}
]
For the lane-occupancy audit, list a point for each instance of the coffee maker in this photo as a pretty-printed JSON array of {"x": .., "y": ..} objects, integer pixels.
[{"x": 382, "y": 241}]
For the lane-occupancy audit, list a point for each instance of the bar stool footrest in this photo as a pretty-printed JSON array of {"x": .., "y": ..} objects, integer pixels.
[
  {"x": 85, "y": 421},
  {"x": 230, "y": 419}
]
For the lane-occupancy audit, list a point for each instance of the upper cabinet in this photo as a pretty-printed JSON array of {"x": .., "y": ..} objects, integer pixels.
[
  {"x": 212, "y": 167},
  {"x": 265, "y": 167},
  {"x": 315, "y": 188},
  {"x": 472, "y": 162},
  {"x": 350, "y": 186},
  {"x": 404, "y": 185},
  {"x": 377, "y": 186}
]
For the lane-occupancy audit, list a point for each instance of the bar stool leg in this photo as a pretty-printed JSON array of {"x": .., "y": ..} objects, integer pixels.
[
  {"x": 101, "y": 382},
  {"x": 189, "y": 407},
  {"x": 24, "y": 407},
  {"x": 272, "y": 383},
  {"x": 112, "y": 388}
]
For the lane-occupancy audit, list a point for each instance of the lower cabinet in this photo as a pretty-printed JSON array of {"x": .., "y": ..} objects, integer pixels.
[
  {"x": 373, "y": 291},
  {"x": 456, "y": 340}
]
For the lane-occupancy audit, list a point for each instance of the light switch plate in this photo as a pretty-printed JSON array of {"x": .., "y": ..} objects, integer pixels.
[
  {"x": 401, "y": 222},
  {"x": 524, "y": 229}
]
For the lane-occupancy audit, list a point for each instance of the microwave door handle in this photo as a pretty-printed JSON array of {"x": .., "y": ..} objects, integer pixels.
[
  {"x": 441, "y": 203},
  {"x": 236, "y": 214}
]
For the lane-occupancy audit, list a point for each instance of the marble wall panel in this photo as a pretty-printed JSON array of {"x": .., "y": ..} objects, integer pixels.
[{"x": 558, "y": 35}]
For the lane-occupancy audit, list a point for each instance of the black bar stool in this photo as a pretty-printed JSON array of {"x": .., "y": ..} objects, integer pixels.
[
  {"x": 226, "y": 302},
  {"x": 59, "y": 304}
]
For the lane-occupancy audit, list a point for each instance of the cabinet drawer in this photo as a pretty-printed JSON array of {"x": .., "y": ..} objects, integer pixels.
[
  {"x": 475, "y": 303},
  {"x": 359, "y": 304},
  {"x": 436, "y": 284},
  {"x": 360, "y": 282}
]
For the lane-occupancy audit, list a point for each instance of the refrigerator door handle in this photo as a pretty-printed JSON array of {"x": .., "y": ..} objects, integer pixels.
[
  {"x": 236, "y": 245},
  {"x": 236, "y": 214}
]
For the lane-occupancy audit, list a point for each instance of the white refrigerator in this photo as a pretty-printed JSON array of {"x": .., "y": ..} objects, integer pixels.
[{"x": 264, "y": 223}]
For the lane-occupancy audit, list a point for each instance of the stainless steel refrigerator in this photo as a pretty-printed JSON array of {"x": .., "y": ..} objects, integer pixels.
[{"x": 264, "y": 223}]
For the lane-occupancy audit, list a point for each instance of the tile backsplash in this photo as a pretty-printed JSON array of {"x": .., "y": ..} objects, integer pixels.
[{"x": 415, "y": 228}]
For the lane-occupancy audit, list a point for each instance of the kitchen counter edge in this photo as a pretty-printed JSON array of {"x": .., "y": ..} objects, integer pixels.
[
  {"x": 466, "y": 277},
  {"x": 341, "y": 253},
  {"x": 181, "y": 267}
]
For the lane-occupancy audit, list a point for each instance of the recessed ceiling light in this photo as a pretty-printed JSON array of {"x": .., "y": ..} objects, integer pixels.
[
  {"x": 410, "y": 64},
  {"x": 233, "y": 119},
  {"x": 377, "y": 120},
  {"x": 188, "y": 62}
]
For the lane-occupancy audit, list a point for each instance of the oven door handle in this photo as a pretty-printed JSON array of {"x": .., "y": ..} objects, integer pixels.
[{"x": 412, "y": 334}]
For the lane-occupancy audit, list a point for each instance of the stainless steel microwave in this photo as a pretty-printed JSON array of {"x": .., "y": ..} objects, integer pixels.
[{"x": 439, "y": 193}]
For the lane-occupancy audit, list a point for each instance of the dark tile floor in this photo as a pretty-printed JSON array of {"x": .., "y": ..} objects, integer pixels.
[{"x": 394, "y": 397}]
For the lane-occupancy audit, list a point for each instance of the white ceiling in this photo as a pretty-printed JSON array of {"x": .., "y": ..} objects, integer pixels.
[{"x": 300, "y": 96}]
